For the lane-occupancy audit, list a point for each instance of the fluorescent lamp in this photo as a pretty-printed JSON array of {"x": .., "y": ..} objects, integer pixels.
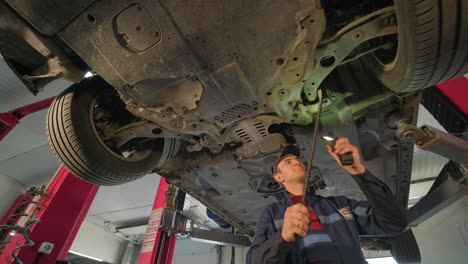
[
  {"x": 134, "y": 230},
  {"x": 88, "y": 74},
  {"x": 86, "y": 256},
  {"x": 385, "y": 260}
]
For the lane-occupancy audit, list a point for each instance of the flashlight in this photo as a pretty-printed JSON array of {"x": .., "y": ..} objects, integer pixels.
[{"x": 346, "y": 159}]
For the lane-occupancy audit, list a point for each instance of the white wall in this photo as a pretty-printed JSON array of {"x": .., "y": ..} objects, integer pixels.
[
  {"x": 193, "y": 252},
  {"x": 93, "y": 241},
  {"x": 241, "y": 255},
  {"x": 9, "y": 190},
  {"x": 443, "y": 238},
  {"x": 201, "y": 258}
]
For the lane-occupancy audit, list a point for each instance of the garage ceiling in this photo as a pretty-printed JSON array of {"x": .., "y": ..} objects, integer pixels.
[{"x": 25, "y": 155}]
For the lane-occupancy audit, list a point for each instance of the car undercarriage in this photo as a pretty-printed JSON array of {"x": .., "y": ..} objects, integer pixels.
[{"x": 206, "y": 93}]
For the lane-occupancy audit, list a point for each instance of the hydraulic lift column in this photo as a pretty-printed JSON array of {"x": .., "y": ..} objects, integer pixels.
[
  {"x": 158, "y": 245},
  {"x": 53, "y": 224},
  {"x": 167, "y": 220}
]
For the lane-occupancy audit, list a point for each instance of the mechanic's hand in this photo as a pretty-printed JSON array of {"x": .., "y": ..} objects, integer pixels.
[
  {"x": 343, "y": 146},
  {"x": 296, "y": 221}
]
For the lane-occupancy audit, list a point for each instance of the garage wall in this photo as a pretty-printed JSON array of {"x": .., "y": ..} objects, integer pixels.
[
  {"x": 188, "y": 251},
  {"x": 10, "y": 189},
  {"x": 192, "y": 252},
  {"x": 93, "y": 241},
  {"x": 240, "y": 255},
  {"x": 202, "y": 258},
  {"x": 444, "y": 237}
]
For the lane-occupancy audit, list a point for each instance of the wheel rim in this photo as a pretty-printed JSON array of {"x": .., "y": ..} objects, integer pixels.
[
  {"x": 386, "y": 59},
  {"x": 129, "y": 156}
]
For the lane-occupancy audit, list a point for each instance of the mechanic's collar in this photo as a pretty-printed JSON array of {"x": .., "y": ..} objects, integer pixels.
[{"x": 311, "y": 198}]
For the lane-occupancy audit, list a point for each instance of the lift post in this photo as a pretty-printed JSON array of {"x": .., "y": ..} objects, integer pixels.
[
  {"x": 53, "y": 224},
  {"x": 167, "y": 220},
  {"x": 158, "y": 246}
]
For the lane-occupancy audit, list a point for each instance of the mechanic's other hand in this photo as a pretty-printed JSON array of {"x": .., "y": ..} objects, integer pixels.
[
  {"x": 343, "y": 146},
  {"x": 296, "y": 221}
]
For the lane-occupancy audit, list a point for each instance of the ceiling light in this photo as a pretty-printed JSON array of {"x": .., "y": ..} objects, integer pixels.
[{"x": 86, "y": 256}]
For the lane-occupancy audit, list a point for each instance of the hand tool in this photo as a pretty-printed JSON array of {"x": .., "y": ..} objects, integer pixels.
[{"x": 312, "y": 146}]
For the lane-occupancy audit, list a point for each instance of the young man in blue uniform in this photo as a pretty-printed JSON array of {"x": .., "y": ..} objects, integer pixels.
[{"x": 328, "y": 227}]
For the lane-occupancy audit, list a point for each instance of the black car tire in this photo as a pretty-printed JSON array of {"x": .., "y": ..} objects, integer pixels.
[
  {"x": 405, "y": 248},
  {"x": 432, "y": 45},
  {"x": 74, "y": 142}
]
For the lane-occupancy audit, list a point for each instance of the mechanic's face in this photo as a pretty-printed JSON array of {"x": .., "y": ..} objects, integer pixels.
[{"x": 290, "y": 170}]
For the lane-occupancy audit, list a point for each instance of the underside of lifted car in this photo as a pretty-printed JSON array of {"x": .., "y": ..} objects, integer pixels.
[{"x": 206, "y": 93}]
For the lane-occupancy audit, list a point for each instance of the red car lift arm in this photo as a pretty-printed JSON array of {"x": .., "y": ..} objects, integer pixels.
[{"x": 10, "y": 119}]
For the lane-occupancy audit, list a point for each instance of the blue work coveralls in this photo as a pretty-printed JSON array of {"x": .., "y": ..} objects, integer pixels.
[{"x": 343, "y": 221}]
